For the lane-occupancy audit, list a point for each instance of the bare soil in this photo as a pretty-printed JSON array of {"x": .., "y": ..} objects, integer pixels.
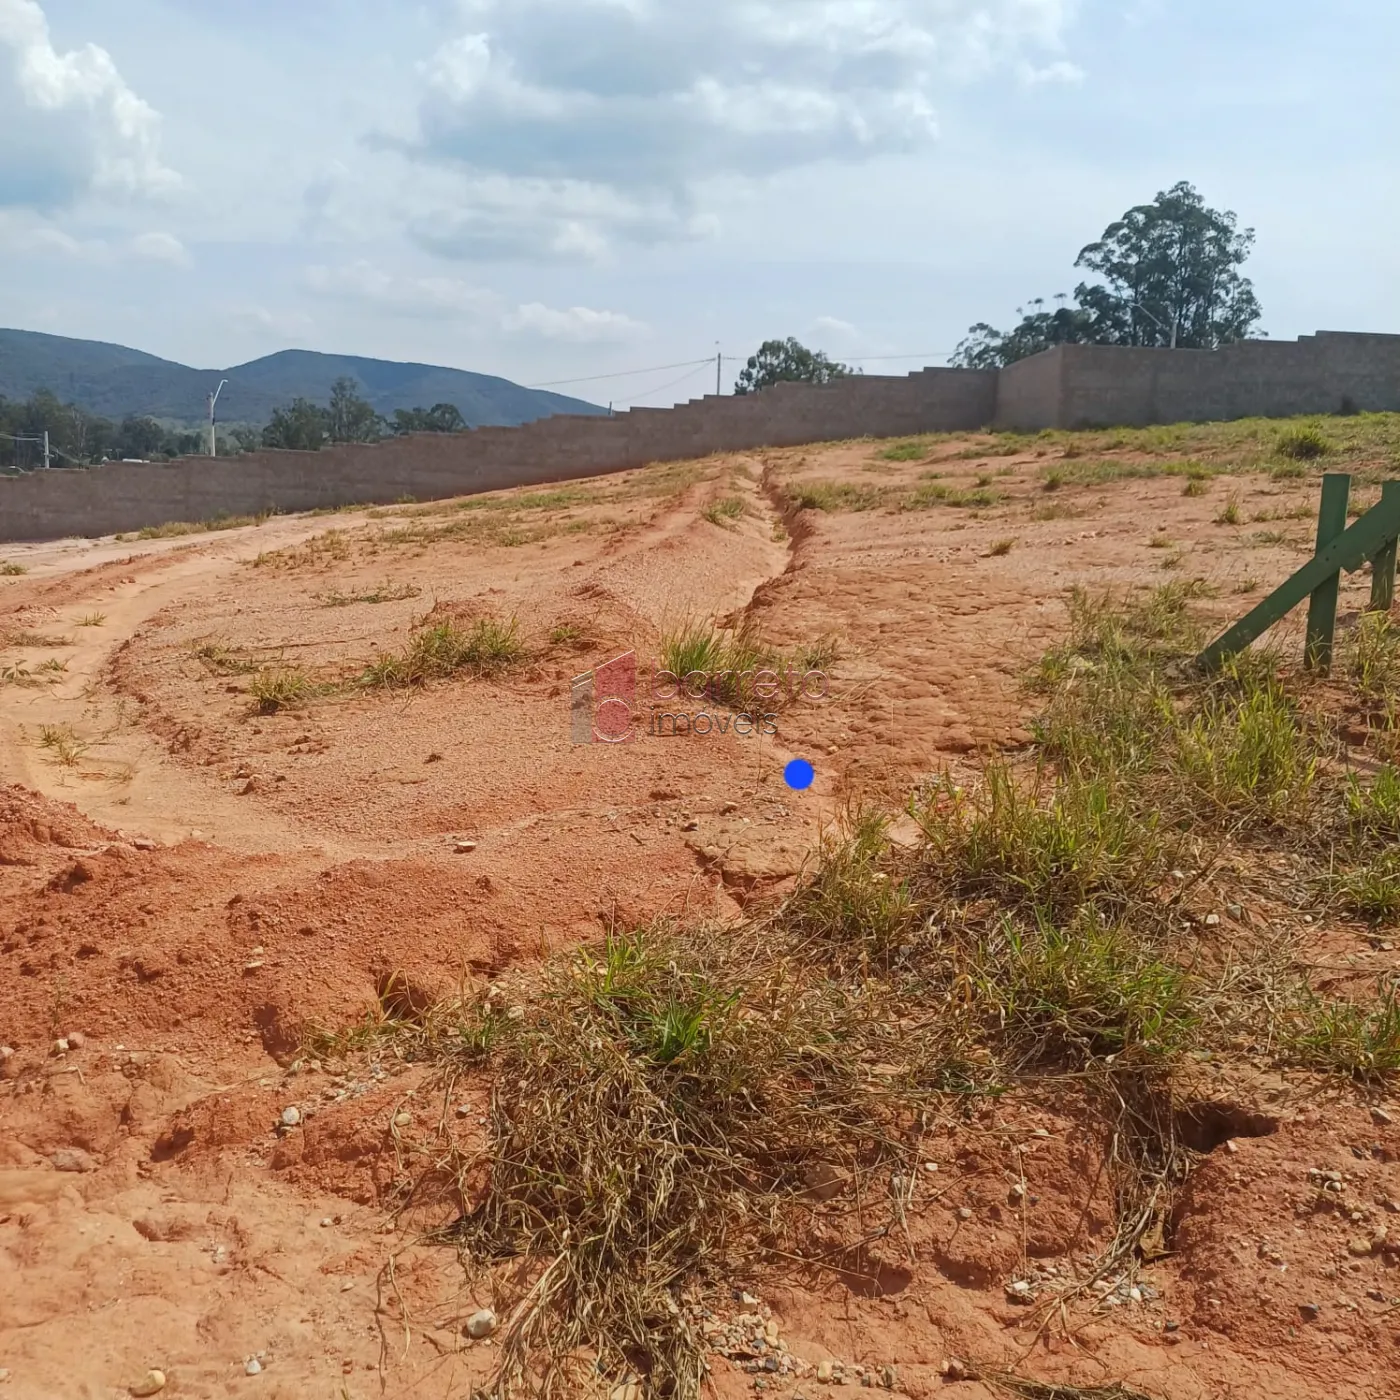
[{"x": 189, "y": 886}]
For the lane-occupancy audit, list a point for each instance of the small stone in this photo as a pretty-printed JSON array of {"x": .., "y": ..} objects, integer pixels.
[
  {"x": 964, "y": 1212},
  {"x": 1211, "y": 920},
  {"x": 480, "y": 1324},
  {"x": 152, "y": 1383},
  {"x": 76, "y": 1040},
  {"x": 1135, "y": 1294},
  {"x": 1235, "y": 911},
  {"x": 1019, "y": 1291},
  {"x": 1171, "y": 1327},
  {"x": 252, "y": 1367},
  {"x": 771, "y": 1333},
  {"x": 6, "y": 1052},
  {"x": 888, "y": 1377},
  {"x": 60, "y": 1046},
  {"x": 954, "y": 1369},
  {"x": 464, "y": 847},
  {"x": 1381, "y": 1118},
  {"x": 690, "y": 826},
  {"x": 824, "y": 1372},
  {"x": 73, "y": 1159},
  {"x": 1310, "y": 1311},
  {"x": 402, "y": 1120},
  {"x": 748, "y": 1300},
  {"x": 770, "y": 1363},
  {"x": 291, "y": 1116},
  {"x": 930, "y": 1166},
  {"x": 1359, "y": 1248},
  {"x": 325, "y": 1222},
  {"x": 1017, "y": 1193}
]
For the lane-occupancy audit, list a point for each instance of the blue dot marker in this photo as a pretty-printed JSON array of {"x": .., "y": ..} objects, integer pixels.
[{"x": 799, "y": 774}]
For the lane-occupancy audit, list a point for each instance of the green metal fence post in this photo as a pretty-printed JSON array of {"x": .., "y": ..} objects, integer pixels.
[
  {"x": 1322, "y": 606},
  {"x": 1383, "y": 565}
]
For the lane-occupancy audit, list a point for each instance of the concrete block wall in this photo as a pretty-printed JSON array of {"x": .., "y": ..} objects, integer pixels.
[
  {"x": 1069, "y": 387},
  {"x": 124, "y": 496},
  {"x": 1082, "y": 386}
]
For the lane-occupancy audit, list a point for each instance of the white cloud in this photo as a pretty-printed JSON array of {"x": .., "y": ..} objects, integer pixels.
[
  {"x": 160, "y": 247},
  {"x": 833, "y": 325},
  {"x": 448, "y": 298},
  {"x": 284, "y": 325},
  {"x": 579, "y": 325},
  {"x": 600, "y": 120},
  {"x": 1061, "y": 71},
  {"x": 432, "y": 297},
  {"x": 69, "y": 124}
]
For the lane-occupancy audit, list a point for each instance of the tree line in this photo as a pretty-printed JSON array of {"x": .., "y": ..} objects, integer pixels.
[
  {"x": 79, "y": 438},
  {"x": 1168, "y": 277}
]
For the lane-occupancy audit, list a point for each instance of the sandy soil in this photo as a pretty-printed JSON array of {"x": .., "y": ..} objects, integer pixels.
[{"x": 187, "y": 885}]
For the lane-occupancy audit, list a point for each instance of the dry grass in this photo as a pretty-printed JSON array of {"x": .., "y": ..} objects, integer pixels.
[
  {"x": 444, "y": 647},
  {"x": 661, "y": 1103}
]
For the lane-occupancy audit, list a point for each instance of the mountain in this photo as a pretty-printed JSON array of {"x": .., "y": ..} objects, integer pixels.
[{"x": 113, "y": 381}]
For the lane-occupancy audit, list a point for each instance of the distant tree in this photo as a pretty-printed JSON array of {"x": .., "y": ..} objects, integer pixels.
[
  {"x": 302, "y": 425},
  {"x": 139, "y": 437},
  {"x": 1170, "y": 275},
  {"x": 787, "y": 361},
  {"x": 350, "y": 418},
  {"x": 1038, "y": 329},
  {"x": 245, "y": 439},
  {"x": 440, "y": 418}
]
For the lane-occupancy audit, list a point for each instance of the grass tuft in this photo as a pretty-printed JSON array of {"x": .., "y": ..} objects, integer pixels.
[{"x": 442, "y": 649}]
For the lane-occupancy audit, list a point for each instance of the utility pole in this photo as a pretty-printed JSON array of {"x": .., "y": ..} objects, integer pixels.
[
  {"x": 719, "y": 372},
  {"x": 213, "y": 399},
  {"x": 46, "y": 449}
]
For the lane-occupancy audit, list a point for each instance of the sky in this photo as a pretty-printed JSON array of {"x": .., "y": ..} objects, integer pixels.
[{"x": 560, "y": 190}]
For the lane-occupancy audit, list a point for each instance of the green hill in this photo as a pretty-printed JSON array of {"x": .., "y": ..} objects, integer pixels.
[{"x": 114, "y": 381}]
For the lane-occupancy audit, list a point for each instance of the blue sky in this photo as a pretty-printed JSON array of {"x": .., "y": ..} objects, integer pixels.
[{"x": 551, "y": 189}]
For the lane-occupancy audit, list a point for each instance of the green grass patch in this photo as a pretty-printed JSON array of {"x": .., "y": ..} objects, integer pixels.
[{"x": 439, "y": 650}]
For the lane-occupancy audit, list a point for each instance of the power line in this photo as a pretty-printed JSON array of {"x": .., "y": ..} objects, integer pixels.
[
  {"x": 622, "y": 374},
  {"x": 704, "y": 364}
]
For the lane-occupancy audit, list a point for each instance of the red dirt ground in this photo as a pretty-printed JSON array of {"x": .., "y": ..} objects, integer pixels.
[{"x": 188, "y": 885}]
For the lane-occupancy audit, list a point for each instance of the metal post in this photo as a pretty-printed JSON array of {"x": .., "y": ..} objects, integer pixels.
[
  {"x": 46, "y": 449},
  {"x": 1322, "y": 606},
  {"x": 1383, "y": 565},
  {"x": 719, "y": 373}
]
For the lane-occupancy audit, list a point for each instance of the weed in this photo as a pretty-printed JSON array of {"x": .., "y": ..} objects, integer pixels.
[
  {"x": 1058, "y": 510},
  {"x": 318, "y": 551},
  {"x": 1375, "y": 664},
  {"x": 1000, "y": 548},
  {"x": 95, "y": 619},
  {"x": 1287, "y": 471},
  {"x": 1195, "y": 487},
  {"x": 836, "y": 496},
  {"x": 1347, "y": 1037},
  {"x": 37, "y": 639},
  {"x": 280, "y": 687},
  {"x": 985, "y": 479},
  {"x": 65, "y": 746},
  {"x": 224, "y": 660},
  {"x": 722, "y": 511},
  {"x": 1230, "y": 515},
  {"x": 441, "y": 649},
  {"x": 385, "y": 592},
  {"x": 1372, "y": 888},
  {"x": 912, "y": 450},
  {"x": 12, "y": 569},
  {"x": 1053, "y": 479},
  {"x": 935, "y": 493},
  {"x": 1304, "y": 443},
  {"x": 731, "y": 663},
  {"x": 1161, "y": 542}
]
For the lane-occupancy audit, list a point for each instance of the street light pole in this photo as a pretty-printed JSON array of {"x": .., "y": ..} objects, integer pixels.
[{"x": 213, "y": 399}]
